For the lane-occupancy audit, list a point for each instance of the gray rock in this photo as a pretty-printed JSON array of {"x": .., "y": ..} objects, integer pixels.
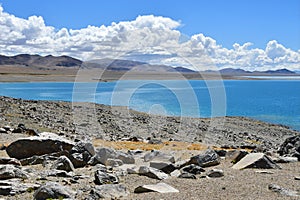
[
  {"x": 15, "y": 186},
  {"x": 46, "y": 143},
  {"x": 36, "y": 160},
  {"x": 102, "y": 178},
  {"x": 297, "y": 178},
  {"x": 215, "y": 173},
  {"x": 159, "y": 187},
  {"x": 175, "y": 173},
  {"x": 158, "y": 156},
  {"x": 103, "y": 154},
  {"x": 285, "y": 159},
  {"x": 116, "y": 191},
  {"x": 166, "y": 167},
  {"x": 10, "y": 161},
  {"x": 235, "y": 156},
  {"x": 12, "y": 171},
  {"x": 256, "y": 160},
  {"x": 52, "y": 190},
  {"x": 81, "y": 153},
  {"x": 63, "y": 163},
  {"x": 57, "y": 173},
  {"x": 193, "y": 169},
  {"x": 152, "y": 173},
  {"x": 283, "y": 191},
  {"x": 291, "y": 147},
  {"x": 2, "y": 130},
  {"x": 206, "y": 159},
  {"x": 113, "y": 162},
  {"x": 187, "y": 175}
]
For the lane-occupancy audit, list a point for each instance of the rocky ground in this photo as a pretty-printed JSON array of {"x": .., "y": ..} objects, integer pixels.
[{"x": 97, "y": 151}]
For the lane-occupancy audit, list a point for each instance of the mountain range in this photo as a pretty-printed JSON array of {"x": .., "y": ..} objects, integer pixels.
[{"x": 46, "y": 62}]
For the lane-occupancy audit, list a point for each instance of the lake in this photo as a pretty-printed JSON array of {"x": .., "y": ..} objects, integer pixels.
[{"x": 275, "y": 101}]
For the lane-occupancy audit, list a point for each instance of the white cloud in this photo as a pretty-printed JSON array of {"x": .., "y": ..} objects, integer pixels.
[{"x": 148, "y": 38}]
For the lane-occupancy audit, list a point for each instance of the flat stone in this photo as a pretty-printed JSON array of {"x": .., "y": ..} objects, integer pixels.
[
  {"x": 285, "y": 159},
  {"x": 283, "y": 191},
  {"x": 46, "y": 143},
  {"x": 175, "y": 173},
  {"x": 215, "y": 173},
  {"x": 264, "y": 172},
  {"x": 159, "y": 187},
  {"x": 152, "y": 173},
  {"x": 256, "y": 160}
]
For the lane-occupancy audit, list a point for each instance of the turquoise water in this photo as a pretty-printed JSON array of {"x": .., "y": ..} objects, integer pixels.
[{"x": 276, "y": 101}]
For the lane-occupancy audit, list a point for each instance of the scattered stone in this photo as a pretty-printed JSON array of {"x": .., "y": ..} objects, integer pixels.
[
  {"x": 63, "y": 163},
  {"x": 158, "y": 156},
  {"x": 102, "y": 178},
  {"x": 283, "y": 191},
  {"x": 193, "y": 169},
  {"x": 166, "y": 167},
  {"x": 52, "y": 190},
  {"x": 152, "y": 173},
  {"x": 116, "y": 191},
  {"x": 256, "y": 160},
  {"x": 10, "y": 161},
  {"x": 235, "y": 156},
  {"x": 206, "y": 159},
  {"x": 215, "y": 173},
  {"x": 12, "y": 171},
  {"x": 46, "y": 143},
  {"x": 187, "y": 175},
  {"x": 159, "y": 187}
]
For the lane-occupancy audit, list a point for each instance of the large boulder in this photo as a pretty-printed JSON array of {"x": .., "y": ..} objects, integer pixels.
[
  {"x": 52, "y": 190},
  {"x": 291, "y": 147},
  {"x": 81, "y": 153},
  {"x": 46, "y": 143},
  {"x": 206, "y": 159},
  {"x": 256, "y": 160}
]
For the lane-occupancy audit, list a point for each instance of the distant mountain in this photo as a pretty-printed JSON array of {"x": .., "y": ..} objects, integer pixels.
[
  {"x": 183, "y": 70},
  {"x": 40, "y": 61},
  {"x": 279, "y": 71},
  {"x": 233, "y": 71}
]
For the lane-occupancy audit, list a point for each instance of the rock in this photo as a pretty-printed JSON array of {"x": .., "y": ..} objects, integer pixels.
[
  {"x": 264, "y": 172},
  {"x": 116, "y": 191},
  {"x": 193, "y": 169},
  {"x": 256, "y": 160},
  {"x": 206, "y": 159},
  {"x": 81, "y": 153},
  {"x": 58, "y": 173},
  {"x": 102, "y": 178},
  {"x": 152, "y": 173},
  {"x": 221, "y": 152},
  {"x": 114, "y": 162},
  {"x": 7, "y": 128},
  {"x": 15, "y": 186},
  {"x": 187, "y": 175},
  {"x": 235, "y": 156},
  {"x": 46, "y": 143},
  {"x": 158, "y": 156},
  {"x": 2, "y": 130},
  {"x": 282, "y": 159},
  {"x": 11, "y": 161},
  {"x": 297, "y": 178},
  {"x": 166, "y": 167},
  {"x": 52, "y": 190},
  {"x": 283, "y": 191},
  {"x": 11, "y": 171},
  {"x": 35, "y": 160},
  {"x": 103, "y": 154},
  {"x": 291, "y": 147},
  {"x": 175, "y": 173},
  {"x": 215, "y": 173},
  {"x": 63, "y": 163},
  {"x": 159, "y": 187},
  {"x": 129, "y": 168}
]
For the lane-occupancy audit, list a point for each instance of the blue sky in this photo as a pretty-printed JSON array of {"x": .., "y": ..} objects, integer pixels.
[
  {"x": 231, "y": 21},
  {"x": 250, "y": 34}
]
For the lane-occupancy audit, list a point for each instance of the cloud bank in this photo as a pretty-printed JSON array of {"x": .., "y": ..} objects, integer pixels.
[{"x": 154, "y": 39}]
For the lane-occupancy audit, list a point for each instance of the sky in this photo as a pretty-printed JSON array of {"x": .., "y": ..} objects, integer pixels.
[{"x": 249, "y": 34}]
